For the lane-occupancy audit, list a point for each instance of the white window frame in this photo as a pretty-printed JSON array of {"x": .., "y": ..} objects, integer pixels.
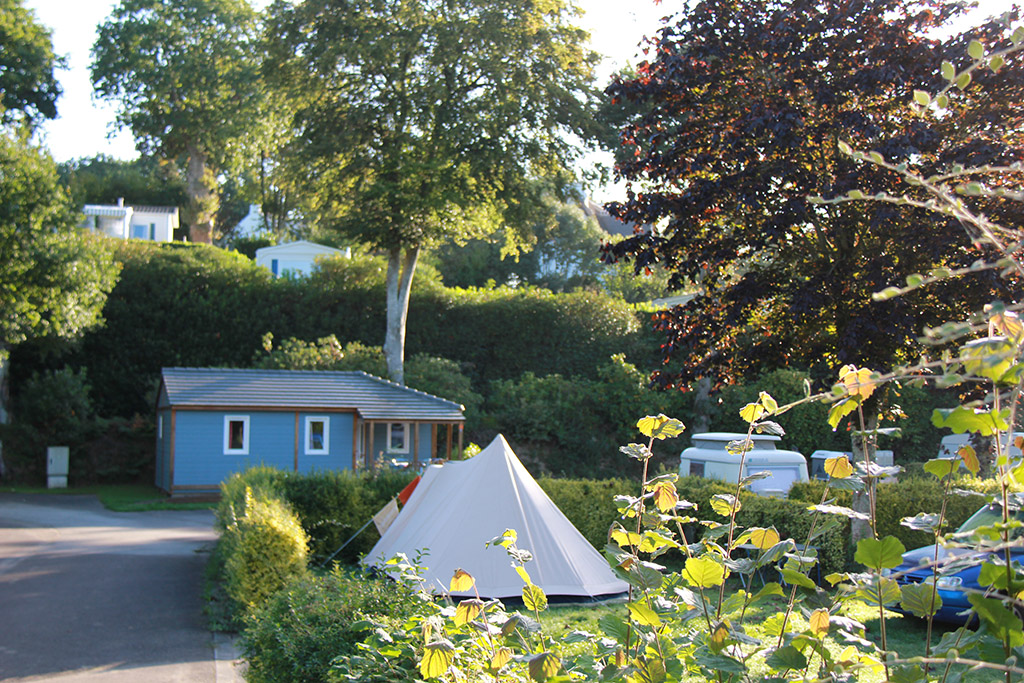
[
  {"x": 244, "y": 450},
  {"x": 326, "y": 420},
  {"x": 405, "y": 444}
]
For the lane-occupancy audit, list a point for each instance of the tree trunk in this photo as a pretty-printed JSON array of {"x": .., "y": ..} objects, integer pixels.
[
  {"x": 864, "y": 447},
  {"x": 5, "y": 357},
  {"x": 399, "y": 284},
  {"x": 202, "y": 201},
  {"x": 702, "y": 406}
]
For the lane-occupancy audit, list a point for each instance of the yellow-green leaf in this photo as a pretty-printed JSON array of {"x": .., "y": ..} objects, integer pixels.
[
  {"x": 467, "y": 611},
  {"x": 723, "y": 503},
  {"x": 819, "y": 622},
  {"x": 752, "y": 412},
  {"x": 975, "y": 49},
  {"x": 660, "y": 426},
  {"x": 534, "y": 598},
  {"x": 922, "y": 98},
  {"x": 626, "y": 539},
  {"x": 461, "y": 582},
  {"x": 642, "y": 614},
  {"x": 502, "y": 657},
  {"x": 437, "y": 657},
  {"x": 858, "y": 382},
  {"x": 838, "y": 467},
  {"x": 665, "y": 496},
  {"x": 703, "y": 572},
  {"x": 523, "y": 574},
  {"x": 970, "y": 458},
  {"x": 769, "y": 403},
  {"x": 764, "y": 538},
  {"x": 544, "y": 666},
  {"x": 840, "y": 410}
]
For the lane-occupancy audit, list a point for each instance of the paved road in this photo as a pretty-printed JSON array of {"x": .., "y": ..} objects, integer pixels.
[{"x": 93, "y": 596}]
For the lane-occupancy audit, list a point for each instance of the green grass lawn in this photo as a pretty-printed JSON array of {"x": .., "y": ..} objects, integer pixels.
[{"x": 119, "y": 497}]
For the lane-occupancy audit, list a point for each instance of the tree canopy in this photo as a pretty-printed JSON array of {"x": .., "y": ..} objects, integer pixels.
[
  {"x": 185, "y": 78},
  {"x": 732, "y": 123},
  {"x": 420, "y": 121},
  {"x": 28, "y": 88}
]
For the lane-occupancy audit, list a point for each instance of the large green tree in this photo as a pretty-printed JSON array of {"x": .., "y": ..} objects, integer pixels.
[
  {"x": 28, "y": 89},
  {"x": 54, "y": 280},
  {"x": 733, "y": 123},
  {"x": 421, "y": 122},
  {"x": 184, "y": 75}
]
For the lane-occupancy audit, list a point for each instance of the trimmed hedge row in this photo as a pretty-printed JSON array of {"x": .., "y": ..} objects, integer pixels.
[
  {"x": 588, "y": 505},
  {"x": 222, "y": 304},
  {"x": 905, "y": 498}
]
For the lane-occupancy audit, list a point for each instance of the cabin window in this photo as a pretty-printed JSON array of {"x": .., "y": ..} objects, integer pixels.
[
  {"x": 398, "y": 437},
  {"x": 318, "y": 435},
  {"x": 696, "y": 469},
  {"x": 236, "y": 434}
]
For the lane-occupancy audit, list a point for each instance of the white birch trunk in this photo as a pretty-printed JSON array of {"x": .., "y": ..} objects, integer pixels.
[{"x": 399, "y": 284}]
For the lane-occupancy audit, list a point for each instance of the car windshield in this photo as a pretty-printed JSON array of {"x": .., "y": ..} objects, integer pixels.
[{"x": 989, "y": 515}]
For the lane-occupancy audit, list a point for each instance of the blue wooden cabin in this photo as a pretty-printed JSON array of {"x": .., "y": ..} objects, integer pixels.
[{"x": 213, "y": 422}]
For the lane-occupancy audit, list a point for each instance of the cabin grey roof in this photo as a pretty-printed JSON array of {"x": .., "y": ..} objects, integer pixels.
[{"x": 374, "y": 398}]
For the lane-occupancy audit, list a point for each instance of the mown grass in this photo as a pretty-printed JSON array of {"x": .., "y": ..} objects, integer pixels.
[{"x": 119, "y": 497}]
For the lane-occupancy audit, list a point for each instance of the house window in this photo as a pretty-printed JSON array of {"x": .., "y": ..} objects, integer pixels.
[
  {"x": 318, "y": 435},
  {"x": 236, "y": 434},
  {"x": 160, "y": 427},
  {"x": 140, "y": 231},
  {"x": 273, "y": 266},
  {"x": 398, "y": 437}
]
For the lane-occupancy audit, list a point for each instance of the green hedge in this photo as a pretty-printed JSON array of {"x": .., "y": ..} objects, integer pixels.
[
  {"x": 334, "y": 505},
  {"x": 296, "y": 635},
  {"x": 905, "y": 498},
  {"x": 222, "y": 304},
  {"x": 588, "y": 505}
]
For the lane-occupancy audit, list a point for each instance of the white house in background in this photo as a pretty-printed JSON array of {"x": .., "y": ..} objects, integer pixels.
[
  {"x": 252, "y": 225},
  {"x": 154, "y": 223},
  {"x": 296, "y": 258}
]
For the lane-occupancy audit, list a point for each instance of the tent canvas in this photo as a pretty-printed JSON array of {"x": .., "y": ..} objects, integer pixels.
[{"x": 459, "y": 506}]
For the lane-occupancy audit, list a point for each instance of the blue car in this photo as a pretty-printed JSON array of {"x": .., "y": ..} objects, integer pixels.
[{"x": 959, "y": 567}]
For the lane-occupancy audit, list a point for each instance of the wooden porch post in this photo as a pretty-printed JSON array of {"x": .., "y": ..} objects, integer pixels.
[
  {"x": 448, "y": 453},
  {"x": 461, "y": 451},
  {"x": 415, "y": 444}
]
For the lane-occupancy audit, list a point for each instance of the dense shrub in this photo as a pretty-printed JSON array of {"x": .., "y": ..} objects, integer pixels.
[
  {"x": 266, "y": 549},
  {"x": 584, "y": 434},
  {"x": 299, "y": 631},
  {"x": 332, "y": 506},
  {"x": 258, "y": 482},
  {"x": 52, "y": 409}
]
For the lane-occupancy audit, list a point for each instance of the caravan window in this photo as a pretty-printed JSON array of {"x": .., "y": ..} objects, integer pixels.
[{"x": 696, "y": 469}]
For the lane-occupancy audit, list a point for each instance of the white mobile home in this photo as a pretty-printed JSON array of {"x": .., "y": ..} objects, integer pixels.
[{"x": 709, "y": 458}]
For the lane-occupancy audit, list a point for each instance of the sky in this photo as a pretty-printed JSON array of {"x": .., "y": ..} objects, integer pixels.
[{"x": 84, "y": 126}]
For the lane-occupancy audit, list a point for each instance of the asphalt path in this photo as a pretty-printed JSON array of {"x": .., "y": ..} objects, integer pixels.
[{"x": 93, "y": 596}]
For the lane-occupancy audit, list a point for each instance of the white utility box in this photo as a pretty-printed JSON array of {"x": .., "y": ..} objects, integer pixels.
[
  {"x": 57, "y": 467},
  {"x": 709, "y": 458}
]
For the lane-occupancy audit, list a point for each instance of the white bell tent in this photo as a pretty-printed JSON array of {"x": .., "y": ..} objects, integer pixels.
[{"x": 461, "y": 505}]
